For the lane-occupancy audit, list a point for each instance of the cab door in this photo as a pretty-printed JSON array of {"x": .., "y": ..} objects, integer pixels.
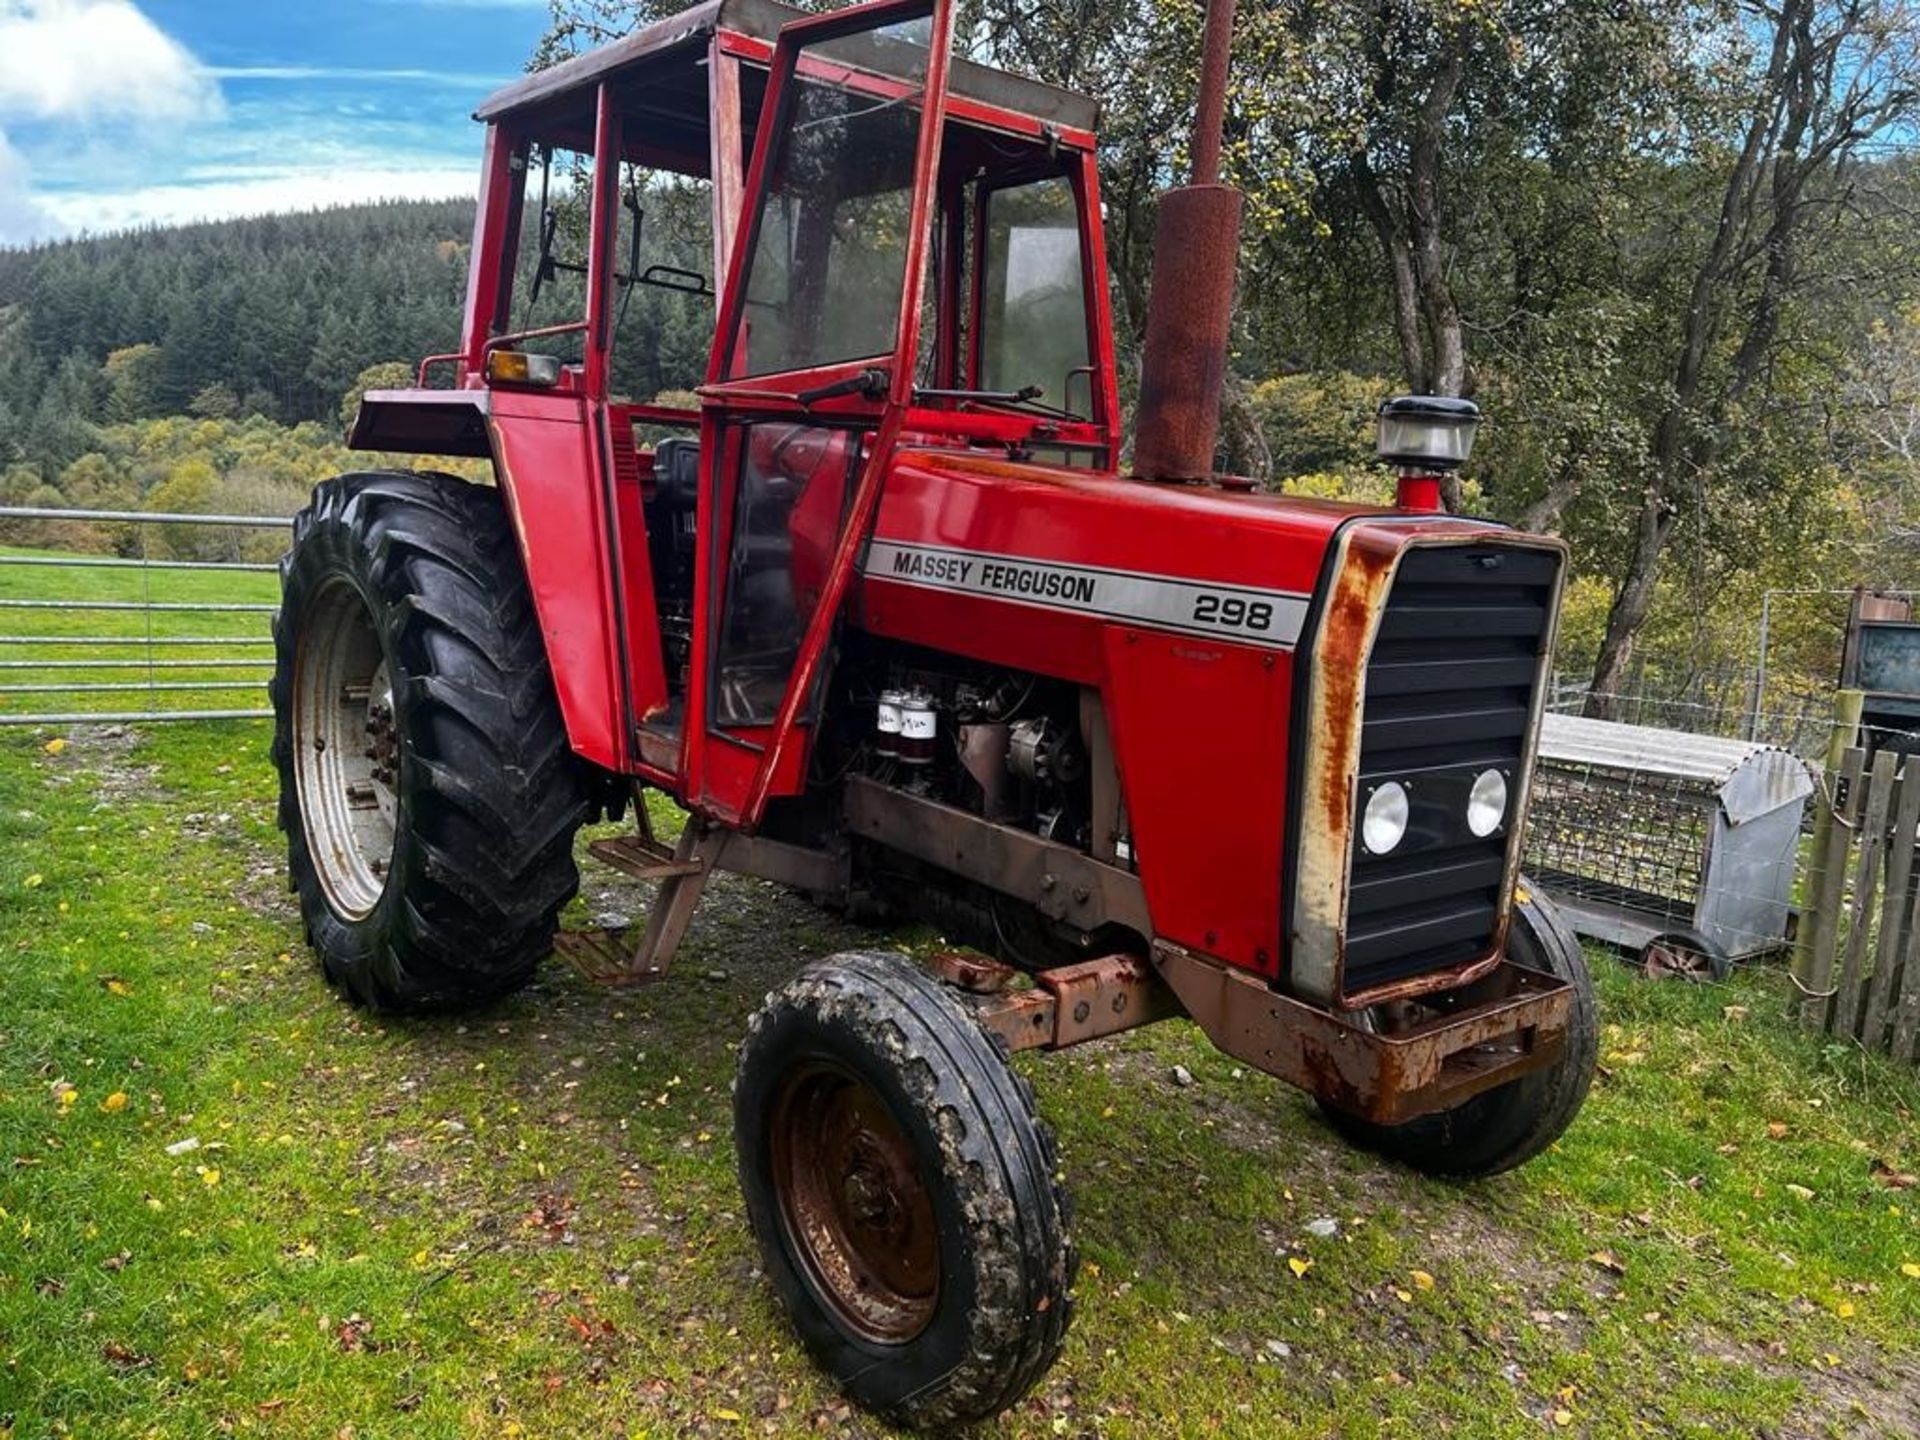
[{"x": 809, "y": 381}]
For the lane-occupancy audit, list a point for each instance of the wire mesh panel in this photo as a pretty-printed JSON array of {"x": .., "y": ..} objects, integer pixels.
[{"x": 1611, "y": 834}]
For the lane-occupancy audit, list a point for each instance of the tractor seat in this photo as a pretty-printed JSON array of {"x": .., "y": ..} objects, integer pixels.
[{"x": 676, "y": 473}]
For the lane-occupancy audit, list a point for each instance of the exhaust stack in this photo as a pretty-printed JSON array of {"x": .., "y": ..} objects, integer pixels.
[{"x": 1196, "y": 246}]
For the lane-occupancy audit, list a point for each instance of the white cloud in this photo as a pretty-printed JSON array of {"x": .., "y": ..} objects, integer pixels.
[
  {"x": 22, "y": 218},
  {"x": 95, "y": 59},
  {"x": 335, "y": 72},
  {"x": 98, "y": 211}
]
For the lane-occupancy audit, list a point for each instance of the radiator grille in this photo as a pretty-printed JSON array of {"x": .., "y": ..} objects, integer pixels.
[{"x": 1449, "y": 693}]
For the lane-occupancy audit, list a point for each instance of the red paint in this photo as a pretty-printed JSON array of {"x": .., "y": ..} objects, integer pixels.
[
  {"x": 1420, "y": 493},
  {"x": 549, "y": 474}
]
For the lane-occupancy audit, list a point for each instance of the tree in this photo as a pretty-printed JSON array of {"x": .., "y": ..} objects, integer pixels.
[
  {"x": 134, "y": 375},
  {"x": 1830, "y": 79}
]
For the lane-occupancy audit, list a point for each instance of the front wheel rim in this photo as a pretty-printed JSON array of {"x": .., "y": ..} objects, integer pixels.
[
  {"x": 346, "y": 752},
  {"x": 854, "y": 1205}
]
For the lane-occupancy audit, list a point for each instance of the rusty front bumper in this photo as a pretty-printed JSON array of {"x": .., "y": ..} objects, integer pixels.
[{"x": 1509, "y": 1022}]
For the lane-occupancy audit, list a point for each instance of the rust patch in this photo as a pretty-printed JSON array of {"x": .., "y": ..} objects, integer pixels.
[
  {"x": 1340, "y": 668},
  {"x": 1071, "y": 1004},
  {"x": 1189, "y": 320},
  {"x": 976, "y": 974},
  {"x": 1510, "y": 1023}
]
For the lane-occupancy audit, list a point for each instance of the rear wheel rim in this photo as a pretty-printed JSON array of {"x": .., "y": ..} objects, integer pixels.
[
  {"x": 854, "y": 1204},
  {"x": 346, "y": 750}
]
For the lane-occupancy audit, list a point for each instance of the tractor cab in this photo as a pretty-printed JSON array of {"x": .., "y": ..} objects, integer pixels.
[{"x": 719, "y": 267}]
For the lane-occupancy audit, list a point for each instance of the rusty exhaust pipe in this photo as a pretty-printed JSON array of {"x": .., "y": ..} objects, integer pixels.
[{"x": 1196, "y": 248}]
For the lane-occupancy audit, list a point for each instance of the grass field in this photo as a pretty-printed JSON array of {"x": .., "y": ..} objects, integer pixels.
[
  {"x": 179, "y": 677},
  {"x": 231, "y": 1203}
]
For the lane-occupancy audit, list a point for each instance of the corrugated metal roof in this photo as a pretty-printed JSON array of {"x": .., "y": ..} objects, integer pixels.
[{"x": 1749, "y": 779}]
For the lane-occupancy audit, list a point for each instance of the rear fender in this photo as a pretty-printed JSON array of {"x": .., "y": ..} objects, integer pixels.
[
  {"x": 423, "y": 422},
  {"x": 543, "y": 448}
]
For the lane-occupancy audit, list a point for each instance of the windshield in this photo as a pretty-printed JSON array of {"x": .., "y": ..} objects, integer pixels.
[{"x": 828, "y": 266}]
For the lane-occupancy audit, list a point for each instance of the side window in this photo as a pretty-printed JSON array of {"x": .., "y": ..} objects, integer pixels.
[
  {"x": 663, "y": 297},
  {"x": 1033, "y": 313},
  {"x": 550, "y": 266}
]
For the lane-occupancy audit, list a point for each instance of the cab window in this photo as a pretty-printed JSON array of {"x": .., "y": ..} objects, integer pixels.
[{"x": 1033, "y": 301}]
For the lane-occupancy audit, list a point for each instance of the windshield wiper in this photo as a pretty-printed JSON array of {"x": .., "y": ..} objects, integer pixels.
[{"x": 1027, "y": 398}]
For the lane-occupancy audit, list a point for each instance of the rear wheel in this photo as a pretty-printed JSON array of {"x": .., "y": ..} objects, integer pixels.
[
  {"x": 427, "y": 791},
  {"x": 1508, "y": 1125},
  {"x": 903, "y": 1192}
]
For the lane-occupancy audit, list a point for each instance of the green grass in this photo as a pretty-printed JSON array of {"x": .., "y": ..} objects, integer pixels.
[
  {"x": 395, "y": 1227},
  {"x": 524, "y": 1221}
]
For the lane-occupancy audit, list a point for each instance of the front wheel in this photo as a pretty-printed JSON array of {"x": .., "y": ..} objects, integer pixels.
[
  {"x": 427, "y": 790},
  {"x": 1510, "y": 1124},
  {"x": 903, "y": 1192}
]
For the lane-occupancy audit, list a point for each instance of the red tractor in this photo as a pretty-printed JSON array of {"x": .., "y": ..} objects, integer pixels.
[{"x": 877, "y": 606}]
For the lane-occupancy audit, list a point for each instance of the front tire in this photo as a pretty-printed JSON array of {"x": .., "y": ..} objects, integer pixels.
[
  {"x": 1509, "y": 1125},
  {"x": 427, "y": 790},
  {"x": 903, "y": 1192}
]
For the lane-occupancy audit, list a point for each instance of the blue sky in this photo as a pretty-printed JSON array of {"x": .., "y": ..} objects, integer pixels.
[{"x": 124, "y": 112}]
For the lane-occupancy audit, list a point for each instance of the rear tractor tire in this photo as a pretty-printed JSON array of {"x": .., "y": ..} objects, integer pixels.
[
  {"x": 903, "y": 1192},
  {"x": 427, "y": 790},
  {"x": 1509, "y": 1125}
]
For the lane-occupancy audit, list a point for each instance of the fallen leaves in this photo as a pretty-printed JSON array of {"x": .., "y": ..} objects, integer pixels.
[
  {"x": 1298, "y": 1266},
  {"x": 1910, "y": 1270},
  {"x": 1422, "y": 1280},
  {"x": 114, "y": 985},
  {"x": 34, "y": 881},
  {"x": 122, "y": 1357},
  {"x": 114, "y": 1103},
  {"x": 1607, "y": 1261},
  {"x": 1776, "y": 1129},
  {"x": 587, "y": 1331},
  {"x": 551, "y": 1213},
  {"x": 1893, "y": 1178}
]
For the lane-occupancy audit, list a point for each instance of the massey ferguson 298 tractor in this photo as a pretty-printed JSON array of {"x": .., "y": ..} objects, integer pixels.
[{"x": 879, "y": 606}]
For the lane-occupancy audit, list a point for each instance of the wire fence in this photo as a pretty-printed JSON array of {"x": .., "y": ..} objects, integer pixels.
[{"x": 174, "y": 626}]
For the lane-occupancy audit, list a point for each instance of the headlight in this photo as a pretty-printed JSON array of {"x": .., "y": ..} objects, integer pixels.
[
  {"x": 1384, "y": 823},
  {"x": 1487, "y": 803}
]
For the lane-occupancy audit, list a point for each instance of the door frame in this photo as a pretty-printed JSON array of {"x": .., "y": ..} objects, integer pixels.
[{"x": 732, "y": 775}]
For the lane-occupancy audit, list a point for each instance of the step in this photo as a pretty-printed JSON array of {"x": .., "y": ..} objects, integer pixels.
[
  {"x": 604, "y": 958},
  {"x": 642, "y": 859}
]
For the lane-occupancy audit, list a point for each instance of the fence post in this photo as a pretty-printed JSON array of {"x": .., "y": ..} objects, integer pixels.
[
  {"x": 1812, "y": 967},
  {"x": 1906, "y": 1011},
  {"x": 1866, "y": 885},
  {"x": 1893, "y": 908}
]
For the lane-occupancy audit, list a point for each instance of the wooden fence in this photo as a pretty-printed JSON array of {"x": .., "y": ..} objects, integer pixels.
[{"x": 1858, "y": 955}]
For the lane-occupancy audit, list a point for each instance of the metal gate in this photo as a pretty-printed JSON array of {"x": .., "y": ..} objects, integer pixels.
[{"x": 103, "y": 638}]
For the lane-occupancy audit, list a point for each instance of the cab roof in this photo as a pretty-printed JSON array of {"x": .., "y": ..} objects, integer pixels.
[{"x": 683, "y": 38}]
